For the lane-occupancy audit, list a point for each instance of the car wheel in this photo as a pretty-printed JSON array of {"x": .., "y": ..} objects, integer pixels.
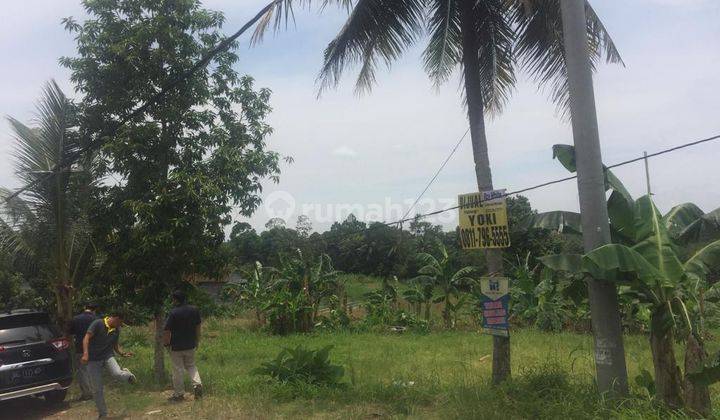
[{"x": 55, "y": 397}]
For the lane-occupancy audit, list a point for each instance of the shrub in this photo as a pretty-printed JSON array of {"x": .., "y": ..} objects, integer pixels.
[
  {"x": 303, "y": 365},
  {"x": 135, "y": 336}
]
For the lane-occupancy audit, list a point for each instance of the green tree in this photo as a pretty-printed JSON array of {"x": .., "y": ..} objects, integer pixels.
[
  {"x": 14, "y": 291},
  {"x": 274, "y": 223},
  {"x": 45, "y": 228},
  {"x": 437, "y": 271},
  {"x": 651, "y": 268},
  {"x": 256, "y": 288},
  {"x": 186, "y": 162},
  {"x": 649, "y": 264},
  {"x": 488, "y": 40},
  {"x": 303, "y": 285},
  {"x": 303, "y": 226},
  {"x": 244, "y": 245}
]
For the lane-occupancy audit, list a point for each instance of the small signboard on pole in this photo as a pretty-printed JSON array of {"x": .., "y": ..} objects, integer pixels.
[
  {"x": 483, "y": 220},
  {"x": 495, "y": 305}
]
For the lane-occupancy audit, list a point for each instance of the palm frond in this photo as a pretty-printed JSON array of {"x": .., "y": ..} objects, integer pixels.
[
  {"x": 539, "y": 45},
  {"x": 16, "y": 213},
  {"x": 376, "y": 31},
  {"x": 495, "y": 33},
  {"x": 281, "y": 12},
  {"x": 443, "y": 52}
]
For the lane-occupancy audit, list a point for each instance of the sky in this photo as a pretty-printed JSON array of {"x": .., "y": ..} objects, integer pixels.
[{"x": 373, "y": 154}]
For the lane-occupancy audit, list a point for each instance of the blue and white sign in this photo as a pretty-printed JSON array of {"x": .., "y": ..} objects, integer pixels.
[{"x": 495, "y": 305}]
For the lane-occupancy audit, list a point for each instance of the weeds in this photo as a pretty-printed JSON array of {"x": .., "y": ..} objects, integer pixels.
[{"x": 303, "y": 366}]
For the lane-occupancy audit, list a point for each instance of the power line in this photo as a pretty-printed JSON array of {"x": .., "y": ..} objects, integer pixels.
[
  {"x": 447, "y": 159},
  {"x": 662, "y": 152},
  {"x": 114, "y": 127},
  {"x": 534, "y": 187}
]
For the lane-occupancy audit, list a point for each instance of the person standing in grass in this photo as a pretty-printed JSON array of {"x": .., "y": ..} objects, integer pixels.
[
  {"x": 181, "y": 335},
  {"x": 99, "y": 345},
  {"x": 78, "y": 327}
]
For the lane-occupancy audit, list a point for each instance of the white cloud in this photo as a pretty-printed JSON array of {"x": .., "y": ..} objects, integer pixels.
[{"x": 344, "y": 152}]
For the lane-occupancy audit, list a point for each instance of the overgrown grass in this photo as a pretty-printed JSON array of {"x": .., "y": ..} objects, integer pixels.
[
  {"x": 356, "y": 285},
  {"x": 441, "y": 375}
]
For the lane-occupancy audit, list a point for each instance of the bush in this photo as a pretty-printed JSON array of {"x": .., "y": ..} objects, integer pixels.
[
  {"x": 303, "y": 365},
  {"x": 135, "y": 336},
  {"x": 336, "y": 319},
  {"x": 14, "y": 294}
]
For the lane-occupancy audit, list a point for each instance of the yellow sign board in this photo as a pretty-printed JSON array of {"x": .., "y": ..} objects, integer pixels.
[{"x": 483, "y": 220}]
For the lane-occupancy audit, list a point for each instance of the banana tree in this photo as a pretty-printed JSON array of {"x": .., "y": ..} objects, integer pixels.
[
  {"x": 254, "y": 291},
  {"x": 439, "y": 272},
  {"x": 309, "y": 282},
  {"x": 421, "y": 293},
  {"x": 648, "y": 262},
  {"x": 653, "y": 271}
]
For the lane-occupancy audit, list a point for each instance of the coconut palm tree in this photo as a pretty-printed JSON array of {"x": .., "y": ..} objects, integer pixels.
[
  {"x": 44, "y": 228},
  {"x": 489, "y": 40}
]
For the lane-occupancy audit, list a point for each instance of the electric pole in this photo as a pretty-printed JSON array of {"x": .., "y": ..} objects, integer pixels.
[{"x": 607, "y": 330}]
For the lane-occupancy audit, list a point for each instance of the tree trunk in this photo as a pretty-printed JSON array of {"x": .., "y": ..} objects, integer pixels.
[
  {"x": 446, "y": 313},
  {"x": 668, "y": 379},
  {"x": 159, "y": 362},
  {"x": 63, "y": 301},
  {"x": 427, "y": 310},
  {"x": 610, "y": 365},
  {"x": 63, "y": 287},
  {"x": 474, "y": 97},
  {"x": 697, "y": 397}
]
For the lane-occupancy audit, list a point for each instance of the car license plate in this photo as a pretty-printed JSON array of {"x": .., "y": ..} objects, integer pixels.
[
  {"x": 31, "y": 372},
  {"x": 27, "y": 373}
]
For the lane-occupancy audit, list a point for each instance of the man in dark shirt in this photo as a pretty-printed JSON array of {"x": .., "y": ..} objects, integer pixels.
[
  {"x": 78, "y": 328},
  {"x": 99, "y": 345},
  {"x": 182, "y": 333}
]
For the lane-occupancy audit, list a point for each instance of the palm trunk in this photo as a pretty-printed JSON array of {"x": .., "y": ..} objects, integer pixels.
[
  {"x": 63, "y": 301},
  {"x": 668, "y": 380},
  {"x": 159, "y": 361},
  {"x": 474, "y": 96},
  {"x": 697, "y": 397},
  {"x": 63, "y": 288}
]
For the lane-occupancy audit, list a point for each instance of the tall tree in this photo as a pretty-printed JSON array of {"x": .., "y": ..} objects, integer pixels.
[
  {"x": 184, "y": 163},
  {"x": 44, "y": 228},
  {"x": 489, "y": 40}
]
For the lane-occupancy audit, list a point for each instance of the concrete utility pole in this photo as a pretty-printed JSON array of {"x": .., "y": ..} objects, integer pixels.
[{"x": 607, "y": 330}]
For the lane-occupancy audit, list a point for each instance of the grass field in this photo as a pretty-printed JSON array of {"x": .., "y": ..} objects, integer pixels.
[
  {"x": 356, "y": 285},
  {"x": 440, "y": 375}
]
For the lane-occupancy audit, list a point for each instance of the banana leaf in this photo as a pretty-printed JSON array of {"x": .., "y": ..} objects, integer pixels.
[
  {"x": 680, "y": 217},
  {"x": 622, "y": 264},
  {"x": 654, "y": 242},
  {"x": 698, "y": 266},
  {"x": 565, "y": 153},
  {"x": 560, "y": 221},
  {"x": 622, "y": 218},
  {"x": 707, "y": 227},
  {"x": 563, "y": 262},
  {"x": 614, "y": 262}
]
